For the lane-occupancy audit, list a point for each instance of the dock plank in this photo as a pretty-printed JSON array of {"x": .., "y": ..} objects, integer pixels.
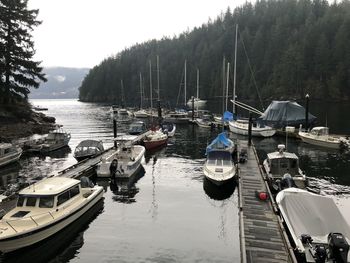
[{"x": 261, "y": 237}]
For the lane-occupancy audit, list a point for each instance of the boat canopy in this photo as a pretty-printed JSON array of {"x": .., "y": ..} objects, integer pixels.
[
  {"x": 228, "y": 116},
  {"x": 312, "y": 214},
  {"x": 91, "y": 144},
  {"x": 285, "y": 113},
  {"x": 221, "y": 142}
]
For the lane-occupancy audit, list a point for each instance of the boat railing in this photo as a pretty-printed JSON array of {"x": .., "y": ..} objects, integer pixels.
[{"x": 28, "y": 222}]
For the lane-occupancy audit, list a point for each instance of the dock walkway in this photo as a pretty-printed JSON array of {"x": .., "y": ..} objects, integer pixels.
[{"x": 261, "y": 232}]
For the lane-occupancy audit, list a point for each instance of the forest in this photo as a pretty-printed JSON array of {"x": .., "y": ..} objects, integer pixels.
[{"x": 285, "y": 50}]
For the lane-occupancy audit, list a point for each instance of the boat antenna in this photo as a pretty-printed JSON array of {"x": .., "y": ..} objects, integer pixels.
[{"x": 285, "y": 115}]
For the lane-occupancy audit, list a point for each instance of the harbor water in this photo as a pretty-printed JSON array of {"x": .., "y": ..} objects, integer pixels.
[{"x": 168, "y": 212}]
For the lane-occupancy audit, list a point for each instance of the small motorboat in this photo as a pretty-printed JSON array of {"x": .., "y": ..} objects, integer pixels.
[
  {"x": 9, "y": 153},
  {"x": 155, "y": 139},
  {"x": 282, "y": 170},
  {"x": 38, "y": 108},
  {"x": 141, "y": 114},
  {"x": 197, "y": 103},
  {"x": 87, "y": 149},
  {"x": 320, "y": 136},
  {"x": 319, "y": 231},
  {"x": 177, "y": 116},
  {"x": 169, "y": 128},
  {"x": 55, "y": 140},
  {"x": 45, "y": 208},
  {"x": 137, "y": 127},
  {"x": 219, "y": 166},
  {"x": 241, "y": 126},
  {"x": 205, "y": 121},
  {"x": 126, "y": 161}
]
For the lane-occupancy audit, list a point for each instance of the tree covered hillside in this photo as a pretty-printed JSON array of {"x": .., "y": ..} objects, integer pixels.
[{"x": 294, "y": 48}]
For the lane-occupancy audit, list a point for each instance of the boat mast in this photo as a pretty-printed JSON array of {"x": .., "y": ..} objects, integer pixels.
[
  {"x": 197, "y": 88},
  {"x": 158, "y": 77},
  {"x": 185, "y": 82},
  {"x": 122, "y": 93},
  {"x": 227, "y": 79},
  {"x": 141, "y": 90},
  {"x": 234, "y": 73},
  {"x": 223, "y": 85},
  {"x": 150, "y": 84}
]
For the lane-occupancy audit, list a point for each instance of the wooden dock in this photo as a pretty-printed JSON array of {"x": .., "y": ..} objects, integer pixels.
[{"x": 262, "y": 236}]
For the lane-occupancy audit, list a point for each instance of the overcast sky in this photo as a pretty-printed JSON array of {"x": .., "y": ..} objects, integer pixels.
[{"x": 81, "y": 33}]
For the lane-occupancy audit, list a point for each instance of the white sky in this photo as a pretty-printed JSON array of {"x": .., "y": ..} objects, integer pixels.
[{"x": 81, "y": 33}]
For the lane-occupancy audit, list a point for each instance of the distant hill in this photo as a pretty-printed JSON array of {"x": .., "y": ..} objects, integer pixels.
[{"x": 62, "y": 83}]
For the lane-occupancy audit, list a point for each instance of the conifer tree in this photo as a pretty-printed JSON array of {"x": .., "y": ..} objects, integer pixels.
[{"x": 18, "y": 71}]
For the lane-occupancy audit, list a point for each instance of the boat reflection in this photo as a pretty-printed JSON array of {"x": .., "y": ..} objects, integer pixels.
[
  {"x": 154, "y": 154},
  {"x": 221, "y": 192},
  {"x": 124, "y": 189},
  {"x": 60, "y": 247}
]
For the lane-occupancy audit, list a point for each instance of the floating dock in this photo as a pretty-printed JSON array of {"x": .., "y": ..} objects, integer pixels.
[{"x": 262, "y": 235}]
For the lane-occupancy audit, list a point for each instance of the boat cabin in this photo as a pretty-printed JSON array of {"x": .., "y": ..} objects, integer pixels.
[
  {"x": 5, "y": 149},
  {"x": 55, "y": 192},
  {"x": 283, "y": 162},
  {"x": 320, "y": 131},
  {"x": 137, "y": 127}
]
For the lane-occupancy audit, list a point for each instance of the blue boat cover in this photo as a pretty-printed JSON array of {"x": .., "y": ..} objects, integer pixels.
[
  {"x": 220, "y": 142},
  {"x": 228, "y": 116}
]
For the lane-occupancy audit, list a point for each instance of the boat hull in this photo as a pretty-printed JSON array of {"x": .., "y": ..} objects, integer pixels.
[
  {"x": 256, "y": 132},
  {"x": 218, "y": 178},
  {"x": 10, "y": 158},
  {"x": 39, "y": 234},
  {"x": 323, "y": 143},
  {"x": 154, "y": 144}
]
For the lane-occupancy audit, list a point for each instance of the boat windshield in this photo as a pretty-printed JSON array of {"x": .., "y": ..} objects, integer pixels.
[
  {"x": 281, "y": 166},
  {"x": 219, "y": 158}
]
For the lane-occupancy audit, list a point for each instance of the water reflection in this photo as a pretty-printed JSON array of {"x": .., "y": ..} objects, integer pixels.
[
  {"x": 125, "y": 190},
  {"x": 221, "y": 192},
  {"x": 9, "y": 181},
  {"x": 60, "y": 247}
]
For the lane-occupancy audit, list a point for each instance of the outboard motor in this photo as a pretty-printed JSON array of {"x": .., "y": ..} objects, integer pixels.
[
  {"x": 86, "y": 182},
  {"x": 338, "y": 247},
  {"x": 318, "y": 251},
  {"x": 287, "y": 181}
]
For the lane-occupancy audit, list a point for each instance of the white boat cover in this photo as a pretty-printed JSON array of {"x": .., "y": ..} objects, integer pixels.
[{"x": 312, "y": 214}]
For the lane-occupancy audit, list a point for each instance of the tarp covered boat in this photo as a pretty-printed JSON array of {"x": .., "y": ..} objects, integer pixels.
[{"x": 285, "y": 113}]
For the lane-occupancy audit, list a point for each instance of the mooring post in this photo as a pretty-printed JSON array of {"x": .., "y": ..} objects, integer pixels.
[
  {"x": 307, "y": 112},
  {"x": 192, "y": 108},
  {"x": 115, "y": 131},
  {"x": 250, "y": 129}
]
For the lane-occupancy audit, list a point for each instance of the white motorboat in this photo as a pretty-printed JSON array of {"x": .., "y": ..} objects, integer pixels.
[
  {"x": 319, "y": 231},
  {"x": 141, "y": 114},
  {"x": 87, "y": 149},
  {"x": 241, "y": 127},
  {"x": 219, "y": 166},
  {"x": 169, "y": 128},
  {"x": 320, "y": 136},
  {"x": 205, "y": 121},
  {"x": 137, "y": 127},
  {"x": 9, "y": 153},
  {"x": 45, "y": 208},
  {"x": 177, "y": 117},
  {"x": 55, "y": 140},
  {"x": 127, "y": 161},
  {"x": 282, "y": 170},
  {"x": 197, "y": 103}
]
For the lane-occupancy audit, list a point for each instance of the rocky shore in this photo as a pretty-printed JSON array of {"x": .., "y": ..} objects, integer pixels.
[{"x": 21, "y": 121}]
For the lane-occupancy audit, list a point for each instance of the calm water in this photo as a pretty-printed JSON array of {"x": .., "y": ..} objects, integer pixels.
[{"x": 168, "y": 213}]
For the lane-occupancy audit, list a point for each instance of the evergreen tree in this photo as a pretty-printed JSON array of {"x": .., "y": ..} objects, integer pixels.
[{"x": 18, "y": 72}]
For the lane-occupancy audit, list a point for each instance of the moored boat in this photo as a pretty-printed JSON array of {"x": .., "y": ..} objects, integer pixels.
[
  {"x": 177, "y": 116},
  {"x": 169, "y": 128},
  {"x": 141, "y": 114},
  {"x": 319, "y": 231},
  {"x": 155, "y": 139},
  {"x": 221, "y": 142},
  {"x": 282, "y": 170},
  {"x": 137, "y": 127},
  {"x": 219, "y": 166},
  {"x": 241, "y": 127},
  {"x": 126, "y": 161},
  {"x": 45, "y": 208},
  {"x": 319, "y": 136},
  {"x": 87, "y": 149},
  {"x": 9, "y": 153}
]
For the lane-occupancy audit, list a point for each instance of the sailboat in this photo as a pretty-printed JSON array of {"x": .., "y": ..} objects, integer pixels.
[
  {"x": 198, "y": 103},
  {"x": 141, "y": 113},
  {"x": 241, "y": 126}
]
